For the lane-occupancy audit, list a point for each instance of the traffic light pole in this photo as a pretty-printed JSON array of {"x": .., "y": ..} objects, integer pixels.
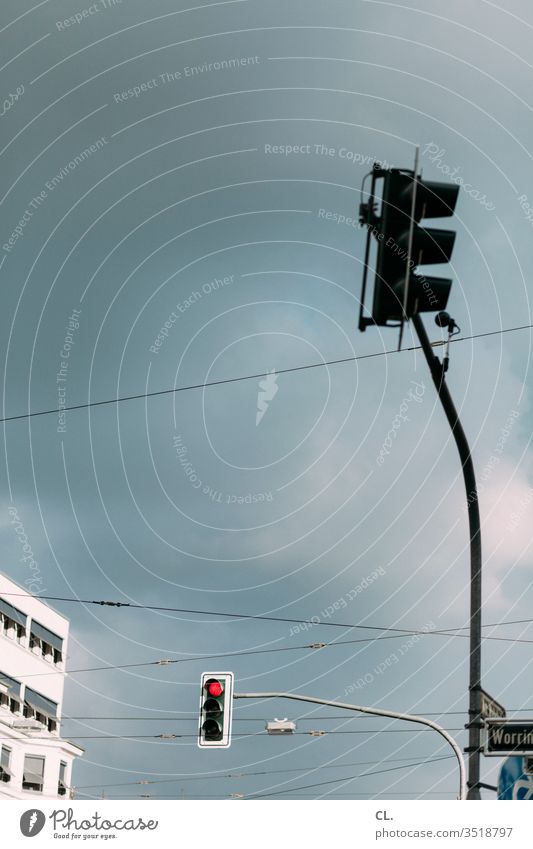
[
  {"x": 407, "y": 717},
  {"x": 475, "y": 724}
]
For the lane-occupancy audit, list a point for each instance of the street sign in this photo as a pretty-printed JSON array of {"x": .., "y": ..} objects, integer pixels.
[
  {"x": 515, "y": 782},
  {"x": 508, "y": 737},
  {"x": 490, "y": 707}
]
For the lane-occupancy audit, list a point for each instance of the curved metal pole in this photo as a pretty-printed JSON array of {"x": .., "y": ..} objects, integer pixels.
[
  {"x": 407, "y": 717},
  {"x": 475, "y": 720}
]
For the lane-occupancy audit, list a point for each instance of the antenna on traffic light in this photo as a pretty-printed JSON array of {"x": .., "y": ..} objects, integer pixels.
[
  {"x": 216, "y": 703},
  {"x": 410, "y": 250}
]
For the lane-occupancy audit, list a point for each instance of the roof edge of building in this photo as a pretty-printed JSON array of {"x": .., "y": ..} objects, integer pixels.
[{"x": 29, "y": 595}]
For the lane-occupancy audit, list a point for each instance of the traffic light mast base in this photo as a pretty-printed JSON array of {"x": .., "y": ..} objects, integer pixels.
[
  {"x": 475, "y": 723},
  {"x": 407, "y": 717}
]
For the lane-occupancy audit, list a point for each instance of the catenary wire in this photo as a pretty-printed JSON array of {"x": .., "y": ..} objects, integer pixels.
[
  {"x": 210, "y": 777},
  {"x": 171, "y": 736},
  {"x": 310, "y": 646},
  {"x": 263, "y": 617},
  {"x": 240, "y": 378},
  {"x": 339, "y": 780},
  {"x": 356, "y": 793},
  {"x": 262, "y": 718},
  {"x": 333, "y": 781}
]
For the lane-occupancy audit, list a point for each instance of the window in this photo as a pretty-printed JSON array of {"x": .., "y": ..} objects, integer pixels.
[
  {"x": 8, "y": 626},
  {"x": 33, "y": 778},
  {"x": 5, "y": 761},
  {"x": 9, "y": 704},
  {"x": 46, "y": 643},
  {"x": 9, "y": 693},
  {"x": 40, "y": 708},
  {"x": 62, "y": 783},
  {"x": 41, "y": 647},
  {"x": 12, "y": 621},
  {"x": 47, "y": 652}
]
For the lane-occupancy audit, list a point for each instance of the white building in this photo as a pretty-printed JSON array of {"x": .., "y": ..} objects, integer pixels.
[{"x": 34, "y": 761}]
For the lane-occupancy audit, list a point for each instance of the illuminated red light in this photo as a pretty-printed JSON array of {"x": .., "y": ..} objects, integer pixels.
[{"x": 214, "y": 688}]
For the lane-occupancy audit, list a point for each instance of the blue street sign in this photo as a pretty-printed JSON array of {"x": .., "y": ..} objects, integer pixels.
[{"x": 514, "y": 782}]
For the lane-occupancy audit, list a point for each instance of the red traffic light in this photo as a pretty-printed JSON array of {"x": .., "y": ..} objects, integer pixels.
[
  {"x": 214, "y": 688},
  {"x": 216, "y": 701}
]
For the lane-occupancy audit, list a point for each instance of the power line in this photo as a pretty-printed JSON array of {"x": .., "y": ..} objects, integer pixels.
[
  {"x": 404, "y": 765},
  {"x": 209, "y": 777},
  {"x": 172, "y": 736},
  {"x": 398, "y": 632},
  {"x": 207, "y": 384},
  {"x": 260, "y": 617},
  {"x": 264, "y": 617},
  {"x": 377, "y": 795},
  {"x": 242, "y": 718},
  {"x": 172, "y": 661},
  {"x": 262, "y": 718},
  {"x": 310, "y": 646},
  {"x": 339, "y": 780}
]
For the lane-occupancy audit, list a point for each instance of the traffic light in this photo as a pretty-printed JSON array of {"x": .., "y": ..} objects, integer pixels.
[
  {"x": 216, "y": 702},
  {"x": 403, "y": 246}
]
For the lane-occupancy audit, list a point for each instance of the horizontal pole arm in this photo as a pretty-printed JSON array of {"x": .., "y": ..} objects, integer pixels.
[{"x": 406, "y": 717}]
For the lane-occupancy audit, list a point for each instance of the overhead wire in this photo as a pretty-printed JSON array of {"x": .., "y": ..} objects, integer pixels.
[
  {"x": 238, "y": 796},
  {"x": 288, "y": 790},
  {"x": 262, "y": 718},
  {"x": 173, "y": 661},
  {"x": 339, "y": 780},
  {"x": 268, "y": 618},
  {"x": 172, "y": 736},
  {"x": 256, "y": 376},
  {"x": 209, "y": 777}
]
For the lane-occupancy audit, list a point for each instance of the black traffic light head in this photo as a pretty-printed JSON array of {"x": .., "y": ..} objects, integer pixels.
[
  {"x": 403, "y": 246},
  {"x": 216, "y": 702}
]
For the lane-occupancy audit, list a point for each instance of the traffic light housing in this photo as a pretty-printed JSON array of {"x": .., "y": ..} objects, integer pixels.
[
  {"x": 216, "y": 703},
  {"x": 403, "y": 246}
]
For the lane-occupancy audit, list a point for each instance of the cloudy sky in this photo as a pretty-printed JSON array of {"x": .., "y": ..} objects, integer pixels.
[{"x": 167, "y": 170}]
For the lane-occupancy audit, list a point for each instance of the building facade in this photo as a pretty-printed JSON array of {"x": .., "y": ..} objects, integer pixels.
[{"x": 35, "y": 762}]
